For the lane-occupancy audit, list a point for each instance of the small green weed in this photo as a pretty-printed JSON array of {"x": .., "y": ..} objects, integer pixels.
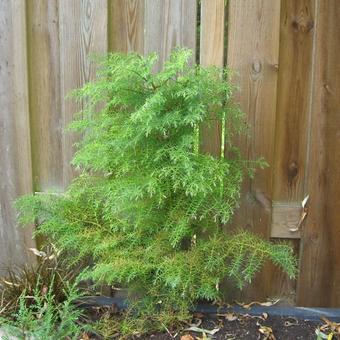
[
  {"x": 39, "y": 316},
  {"x": 51, "y": 270}
]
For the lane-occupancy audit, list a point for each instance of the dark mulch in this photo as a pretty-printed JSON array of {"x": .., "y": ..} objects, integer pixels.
[{"x": 248, "y": 328}]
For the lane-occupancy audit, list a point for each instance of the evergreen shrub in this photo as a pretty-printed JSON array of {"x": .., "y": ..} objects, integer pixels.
[{"x": 148, "y": 206}]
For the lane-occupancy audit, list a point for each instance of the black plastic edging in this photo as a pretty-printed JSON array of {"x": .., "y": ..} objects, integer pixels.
[{"x": 305, "y": 313}]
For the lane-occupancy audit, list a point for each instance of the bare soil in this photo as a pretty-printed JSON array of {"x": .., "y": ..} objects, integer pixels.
[{"x": 248, "y": 328}]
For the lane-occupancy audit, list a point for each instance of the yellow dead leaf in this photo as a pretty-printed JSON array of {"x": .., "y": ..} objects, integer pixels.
[
  {"x": 202, "y": 330},
  {"x": 10, "y": 283},
  {"x": 333, "y": 326},
  {"x": 267, "y": 332},
  {"x": 264, "y": 304},
  {"x": 37, "y": 252},
  {"x": 187, "y": 337},
  {"x": 229, "y": 316}
]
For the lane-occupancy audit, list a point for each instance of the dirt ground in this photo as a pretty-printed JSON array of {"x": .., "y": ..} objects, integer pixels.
[{"x": 270, "y": 328}]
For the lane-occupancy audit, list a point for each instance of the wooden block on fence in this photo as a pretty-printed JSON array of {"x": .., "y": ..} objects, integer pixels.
[{"x": 285, "y": 219}]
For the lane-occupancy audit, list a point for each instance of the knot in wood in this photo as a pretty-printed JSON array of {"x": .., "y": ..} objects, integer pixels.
[
  {"x": 256, "y": 66},
  {"x": 292, "y": 170},
  {"x": 302, "y": 25}
]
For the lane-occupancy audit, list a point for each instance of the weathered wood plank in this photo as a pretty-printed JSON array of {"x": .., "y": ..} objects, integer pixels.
[
  {"x": 15, "y": 148},
  {"x": 82, "y": 32},
  {"x": 212, "y": 53},
  {"x": 44, "y": 84},
  {"x": 169, "y": 24},
  {"x": 126, "y": 25},
  {"x": 318, "y": 283},
  {"x": 212, "y": 32},
  {"x": 292, "y": 116},
  {"x": 253, "y": 52},
  {"x": 286, "y": 219}
]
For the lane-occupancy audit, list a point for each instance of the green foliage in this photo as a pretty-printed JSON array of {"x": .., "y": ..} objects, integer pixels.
[
  {"x": 148, "y": 206},
  {"x": 39, "y": 316}
]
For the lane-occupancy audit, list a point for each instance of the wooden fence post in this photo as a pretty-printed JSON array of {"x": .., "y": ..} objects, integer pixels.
[
  {"x": 212, "y": 53},
  {"x": 319, "y": 277},
  {"x": 15, "y": 146},
  {"x": 44, "y": 91},
  {"x": 83, "y": 31},
  {"x": 253, "y": 52},
  {"x": 169, "y": 24},
  {"x": 126, "y": 26}
]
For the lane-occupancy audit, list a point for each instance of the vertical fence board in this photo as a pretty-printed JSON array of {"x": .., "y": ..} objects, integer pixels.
[
  {"x": 292, "y": 114},
  {"x": 296, "y": 47},
  {"x": 82, "y": 32},
  {"x": 294, "y": 84},
  {"x": 211, "y": 53},
  {"x": 44, "y": 90},
  {"x": 169, "y": 24},
  {"x": 15, "y": 169},
  {"x": 126, "y": 25},
  {"x": 253, "y": 51},
  {"x": 318, "y": 284}
]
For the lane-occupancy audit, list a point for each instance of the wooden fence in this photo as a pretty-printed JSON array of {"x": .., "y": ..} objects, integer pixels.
[{"x": 286, "y": 54}]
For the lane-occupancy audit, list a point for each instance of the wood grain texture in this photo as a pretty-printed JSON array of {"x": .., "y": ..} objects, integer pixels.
[
  {"x": 169, "y": 24},
  {"x": 44, "y": 90},
  {"x": 82, "y": 32},
  {"x": 286, "y": 219},
  {"x": 212, "y": 32},
  {"x": 15, "y": 148},
  {"x": 318, "y": 284},
  {"x": 253, "y": 52},
  {"x": 294, "y": 84},
  {"x": 212, "y": 53},
  {"x": 292, "y": 112},
  {"x": 126, "y": 25}
]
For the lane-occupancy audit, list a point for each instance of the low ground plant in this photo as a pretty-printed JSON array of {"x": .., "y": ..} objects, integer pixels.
[
  {"x": 148, "y": 207},
  {"x": 51, "y": 271},
  {"x": 40, "y": 316}
]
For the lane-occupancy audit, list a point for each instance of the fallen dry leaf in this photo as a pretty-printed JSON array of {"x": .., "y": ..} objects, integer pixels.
[
  {"x": 264, "y": 304},
  {"x": 291, "y": 322},
  {"x": 229, "y": 316},
  {"x": 269, "y": 303},
  {"x": 85, "y": 336},
  {"x": 330, "y": 326},
  {"x": 202, "y": 330},
  {"x": 37, "y": 252},
  {"x": 248, "y": 316},
  {"x": 187, "y": 337},
  {"x": 195, "y": 324},
  {"x": 267, "y": 332},
  {"x": 9, "y": 283}
]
